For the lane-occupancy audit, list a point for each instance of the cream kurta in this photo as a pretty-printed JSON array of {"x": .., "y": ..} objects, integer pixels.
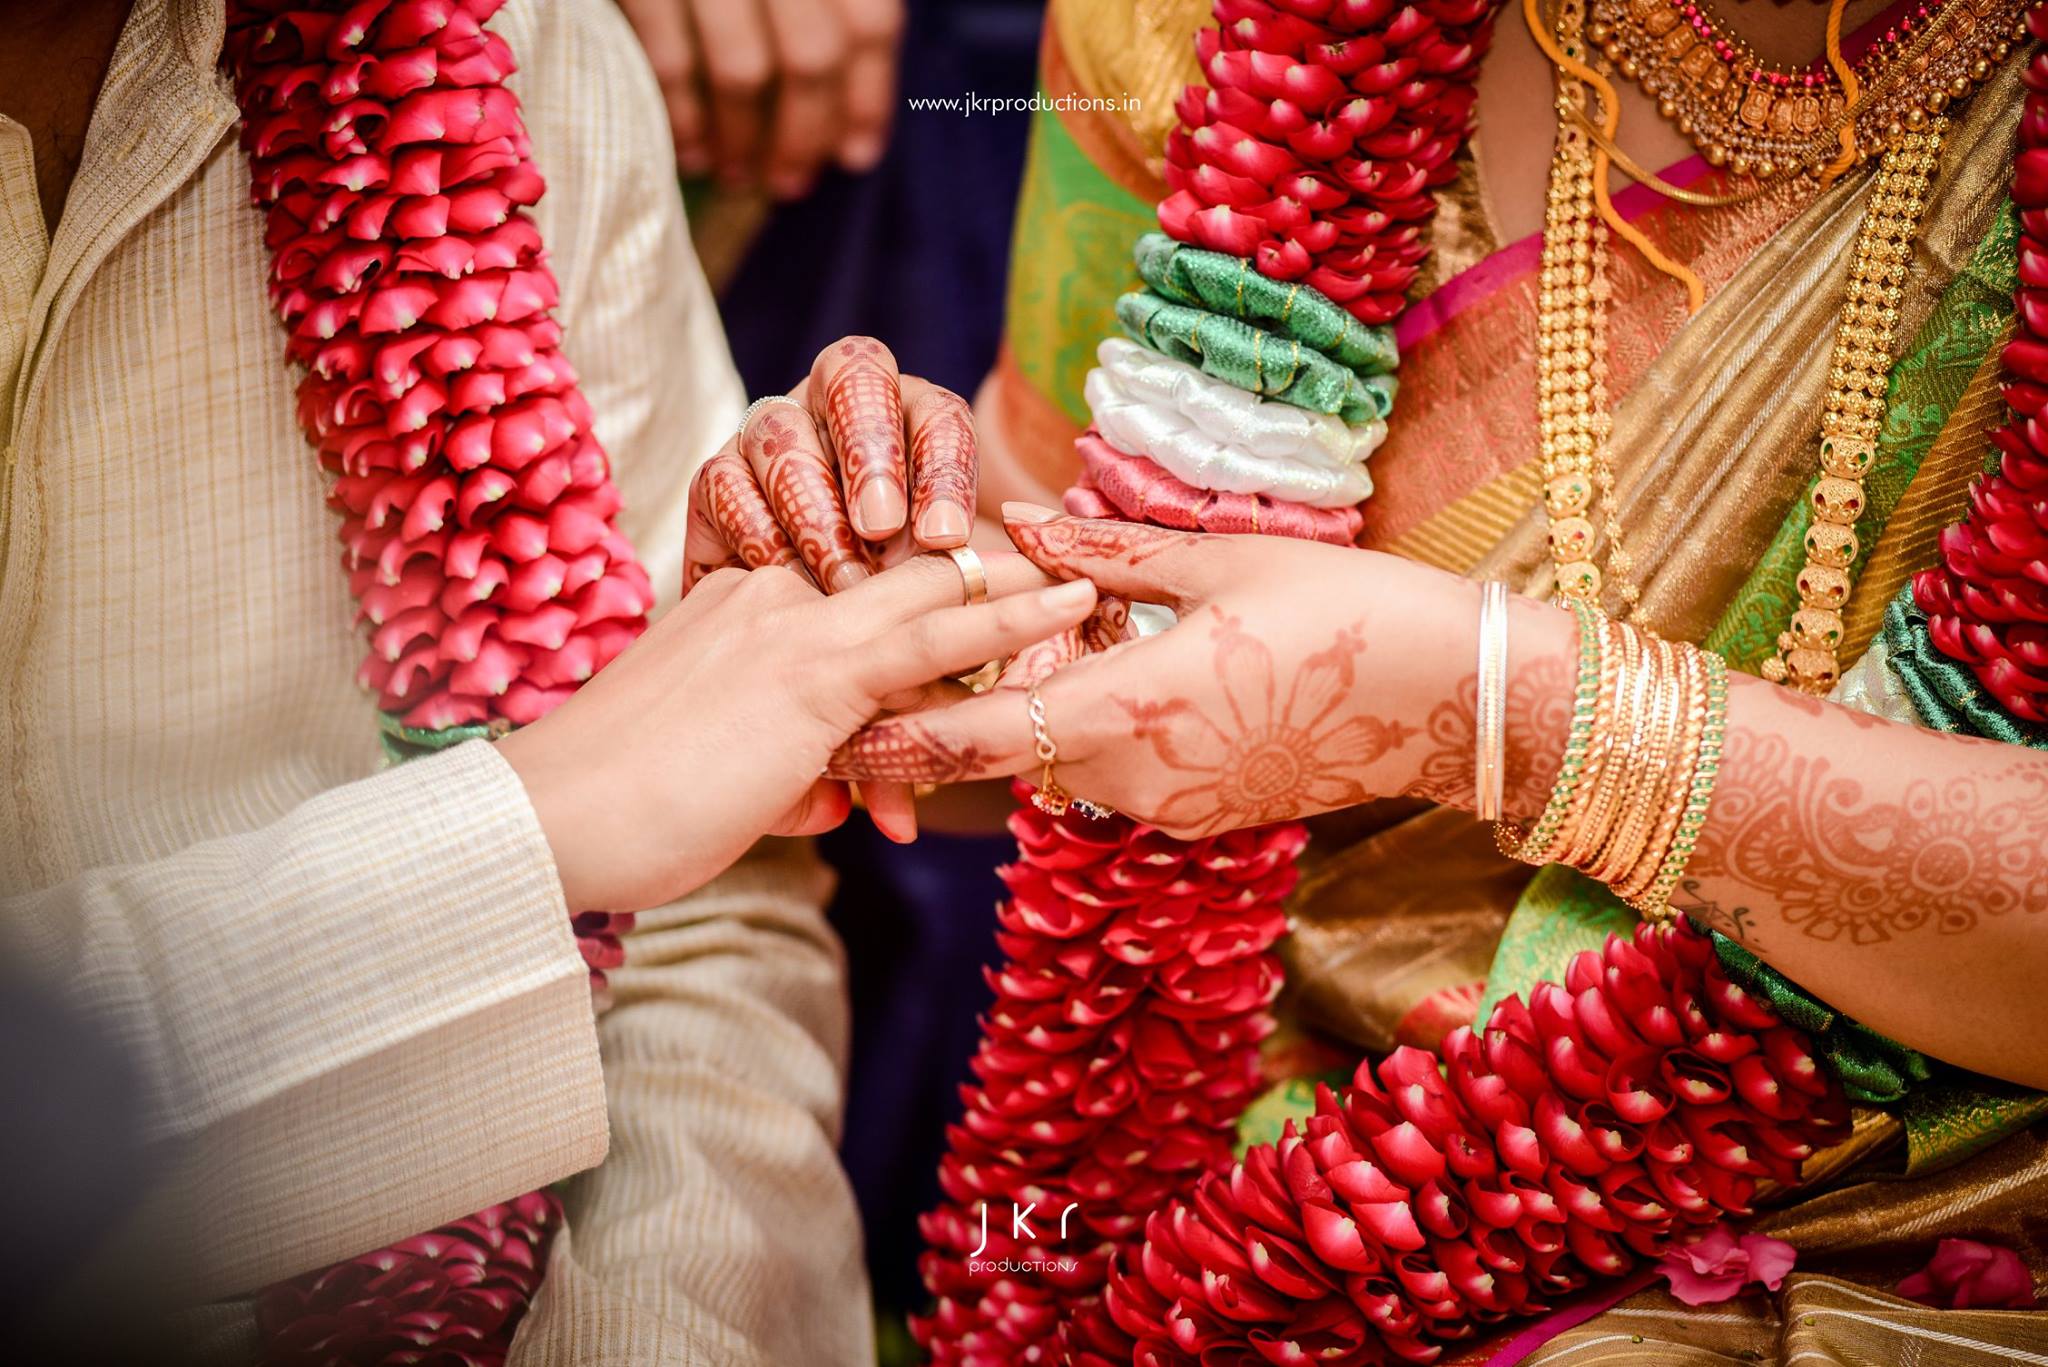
[{"x": 355, "y": 993}]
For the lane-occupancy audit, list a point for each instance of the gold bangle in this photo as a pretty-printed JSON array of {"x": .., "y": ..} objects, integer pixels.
[
  {"x": 1677, "y": 779},
  {"x": 1640, "y": 797},
  {"x": 1602, "y": 744},
  {"x": 1622, "y": 726}
]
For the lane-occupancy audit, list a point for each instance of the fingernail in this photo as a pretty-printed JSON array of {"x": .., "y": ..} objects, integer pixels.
[
  {"x": 878, "y": 512},
  {"x": 845, "y": 575},
  {"x": 943, "y": 523},
  {"x": 861, "y": 154},
  {"x": 1067, "y": 597},
  {"x": 1027, "y": 512}
]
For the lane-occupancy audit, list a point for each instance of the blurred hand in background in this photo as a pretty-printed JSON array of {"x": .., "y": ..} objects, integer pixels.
[{"x": 768, "y": 93}]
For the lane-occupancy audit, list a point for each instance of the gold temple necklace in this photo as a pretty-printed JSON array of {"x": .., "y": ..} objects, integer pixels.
[{"x": 1574, "y": 421}]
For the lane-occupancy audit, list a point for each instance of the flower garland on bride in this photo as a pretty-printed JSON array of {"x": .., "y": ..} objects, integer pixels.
[{"x": 1645, "y": 1096}]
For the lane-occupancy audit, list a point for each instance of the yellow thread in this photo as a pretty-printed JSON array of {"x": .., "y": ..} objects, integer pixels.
[
  {"x": 1846, "y": 74},
  {"x": 1243, "y": 265},
  {"x": 1610, "y": 107}
]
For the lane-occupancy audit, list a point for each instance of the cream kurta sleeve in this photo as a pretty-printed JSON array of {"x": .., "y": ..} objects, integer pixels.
[
  {"x": 316, "y": 1026},
  {"x": 721, "y": 1229}
]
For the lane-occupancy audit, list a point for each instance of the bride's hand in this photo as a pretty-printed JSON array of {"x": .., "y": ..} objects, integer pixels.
[
  {"x": 863, "y": 467},
  {"x": 714, "y": 728},
  {"x": 1300, "y": 678}
]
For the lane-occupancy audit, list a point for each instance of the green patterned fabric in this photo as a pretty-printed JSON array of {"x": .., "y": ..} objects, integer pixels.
[
  {"x": 402, "y": 742},
  {"x": 1946, "y": 694},
  {"x": 1252, "y": 358},
  {"x": 1873, "y": 1069},
  {"x": 1948, "y": 1114},
  {"x": 1231, "y": 286},
  {"x": 1292, "y": 1098},
  {"x": 1561, "y": 913},
  {"x": 1069, "y": 259},
  {"x": 1923, "y": 387}
]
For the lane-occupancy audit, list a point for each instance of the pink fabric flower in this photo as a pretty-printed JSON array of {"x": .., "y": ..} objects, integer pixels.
[
  {"x": 1967, "y": 1275},
  {"x": 1715, "y": 1264}
]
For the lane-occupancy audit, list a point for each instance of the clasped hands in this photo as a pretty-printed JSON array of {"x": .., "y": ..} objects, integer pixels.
[{"x": 817, "y": 645}]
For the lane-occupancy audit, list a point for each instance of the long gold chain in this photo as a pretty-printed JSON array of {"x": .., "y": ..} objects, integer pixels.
[
  {"x": 1808, "y": 653},
  {"x": 1571, "y": 351},
  {"x": 1574, "y": 423}
]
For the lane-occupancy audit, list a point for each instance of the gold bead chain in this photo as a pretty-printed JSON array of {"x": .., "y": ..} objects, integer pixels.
[
  {"x": 1808, "y": 656},
  {"x": 1571, "y": 354}
]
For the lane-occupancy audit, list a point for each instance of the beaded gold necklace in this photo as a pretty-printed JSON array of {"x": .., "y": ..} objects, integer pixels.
[
  {"x": 1767, "y": 122},
  {"x": 1572, "y": 408}
]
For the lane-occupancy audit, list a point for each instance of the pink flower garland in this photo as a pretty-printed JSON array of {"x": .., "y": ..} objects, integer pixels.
[
  {"x": 1987, "y": 600},
  {"x": 477, "y": 507},
  {"x": 1139, "y": 970},
  {"x": 1640, "y": 1100}
]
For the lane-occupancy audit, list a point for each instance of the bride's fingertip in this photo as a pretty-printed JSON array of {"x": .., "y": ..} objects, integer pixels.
[
  {"x": 1019, "y": 511},
  {"x": 1075, "y": 595}
]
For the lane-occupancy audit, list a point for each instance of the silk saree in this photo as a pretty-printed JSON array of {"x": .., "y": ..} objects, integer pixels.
[{"x": 1713, "y": 443}]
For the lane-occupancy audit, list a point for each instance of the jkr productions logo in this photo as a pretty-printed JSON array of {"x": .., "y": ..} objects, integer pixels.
[{"x": 1022, "y": 1233}]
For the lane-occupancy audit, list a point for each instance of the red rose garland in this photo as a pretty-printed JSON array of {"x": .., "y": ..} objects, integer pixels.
[
  {"x": 1645, "y": 1096},
  {"x": 1325, "y": 128},
  {"x": 394, "y": 171},
  {"x": 1987, "y": 601},
  {"x": 1122, "y": 1045}
]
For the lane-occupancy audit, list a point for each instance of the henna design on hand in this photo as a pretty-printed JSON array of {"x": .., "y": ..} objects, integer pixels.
[
  {"x": 942, "y": 457},
  {"x": 1066, "y": 543},
  {"x": 908, "y": 750},
  {"x": 1270, "y": 753},
  {"x": 864, "y": 416},
  {"x": 1538, "y": 718},
  {"x": 800, "y": 488},
  {"x": 737, "y": 527},
  {"x": 1842, "y": 868}
]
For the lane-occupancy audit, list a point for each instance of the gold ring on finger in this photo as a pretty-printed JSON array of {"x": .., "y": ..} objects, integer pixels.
[{"x": 973, "y": 575}]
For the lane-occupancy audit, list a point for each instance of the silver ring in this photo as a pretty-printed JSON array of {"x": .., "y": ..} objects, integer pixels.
[
  {"x": 763, "y": 402},
  {"x": 973, "y": 574},
  {"x": 1489, "y": 729}
]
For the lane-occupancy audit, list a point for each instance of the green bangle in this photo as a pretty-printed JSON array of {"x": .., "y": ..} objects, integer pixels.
[
  {"x": 1252, "y": 358},
  {"x": 1585, "y": 702},
  {"x": 1705, "y": 771},
  {"x": 1232, "y": 286}
]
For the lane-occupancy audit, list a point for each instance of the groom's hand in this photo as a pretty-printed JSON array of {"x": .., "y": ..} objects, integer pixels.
[{"x": 861, "y": 467}]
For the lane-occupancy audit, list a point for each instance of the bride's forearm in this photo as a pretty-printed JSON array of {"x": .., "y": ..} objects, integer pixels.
[{"x": 1899, "y": 874}]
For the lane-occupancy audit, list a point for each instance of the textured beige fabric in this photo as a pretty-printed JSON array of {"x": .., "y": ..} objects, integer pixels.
[{"x": 355, "y": 993}]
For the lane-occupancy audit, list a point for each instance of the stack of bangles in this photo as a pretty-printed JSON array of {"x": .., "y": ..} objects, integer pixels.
[{"x": 1648, "y": 717}]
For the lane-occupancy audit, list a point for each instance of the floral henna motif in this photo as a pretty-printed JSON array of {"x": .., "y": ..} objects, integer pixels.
[
  {"x": 737, "y": 525},
  {"x": 1843, "y": 868},
  {"x": 942, "y": 456},
  {"x": 801, "y": 491},
  {"x": 1273, "y": 752},
  {"x": 1538, "y": 715}
]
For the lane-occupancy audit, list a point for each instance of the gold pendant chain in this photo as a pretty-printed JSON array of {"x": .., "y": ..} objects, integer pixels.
[
  {"x": 1808, "y": 654},
  {"x": 1573, "y": 420}
]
